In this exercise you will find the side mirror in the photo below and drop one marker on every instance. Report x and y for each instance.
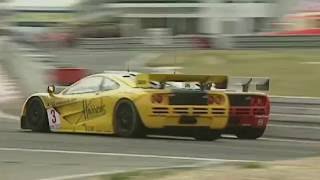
(51, 89)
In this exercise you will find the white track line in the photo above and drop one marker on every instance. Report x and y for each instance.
(121, 154)
(290, 140)
(76, 176)
(294, 126)
(297, 97)
(13, 117)
(9, 116)
(17, 118)
(277, 139)
(294, 115)
(86, 175)
(293, 108)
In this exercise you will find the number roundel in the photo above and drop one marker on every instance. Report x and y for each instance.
(53, 115)
(54, 119)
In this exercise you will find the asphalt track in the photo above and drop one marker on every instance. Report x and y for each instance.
(28, 155)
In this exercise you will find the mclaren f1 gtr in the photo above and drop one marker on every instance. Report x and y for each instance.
(131, 105)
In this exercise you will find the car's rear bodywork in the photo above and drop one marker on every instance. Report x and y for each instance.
(183, 108)
(249, 111)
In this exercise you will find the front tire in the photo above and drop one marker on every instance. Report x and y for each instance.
(127, 120)
(37, 115)
(250, 133)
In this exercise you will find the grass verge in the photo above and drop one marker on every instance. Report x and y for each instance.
(278, 170)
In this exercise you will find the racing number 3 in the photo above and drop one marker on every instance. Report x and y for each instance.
(53, 118)
(53, 115)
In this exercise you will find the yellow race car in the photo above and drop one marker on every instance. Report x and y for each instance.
(131, 105)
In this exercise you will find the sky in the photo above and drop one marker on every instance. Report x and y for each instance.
(43, 3)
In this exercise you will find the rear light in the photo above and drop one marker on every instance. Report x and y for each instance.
(216, 99)
(157, 98)
(210, 100)
(219, 99)
(258, 101)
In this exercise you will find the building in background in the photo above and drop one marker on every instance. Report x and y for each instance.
(134, 17)
(30, 23)
(27, 20)
(301, 19)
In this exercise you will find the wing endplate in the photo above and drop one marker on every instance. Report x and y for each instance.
(245, 84)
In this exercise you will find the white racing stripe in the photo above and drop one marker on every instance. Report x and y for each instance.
(121, 154)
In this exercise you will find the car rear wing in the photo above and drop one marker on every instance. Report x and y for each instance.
(145, 80)
(246, 84)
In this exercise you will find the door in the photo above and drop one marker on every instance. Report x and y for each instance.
(72, 104)
(98, 109)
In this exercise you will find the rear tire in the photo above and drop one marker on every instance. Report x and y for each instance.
(37, 115)
(250, 133)
(127, 120)
(206, 134)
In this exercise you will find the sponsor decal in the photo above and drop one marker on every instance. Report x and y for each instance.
(260, 122)
(90, 109)
(94, 108)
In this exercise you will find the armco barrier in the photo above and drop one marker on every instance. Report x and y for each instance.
(200, 42)
(263, 41)
(128, 43)
(294, 117)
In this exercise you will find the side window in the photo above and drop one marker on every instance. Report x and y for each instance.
(86, 85)
(108, 84)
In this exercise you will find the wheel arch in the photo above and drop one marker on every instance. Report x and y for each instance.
(115, 108)
(25, 105)
(23, 117)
